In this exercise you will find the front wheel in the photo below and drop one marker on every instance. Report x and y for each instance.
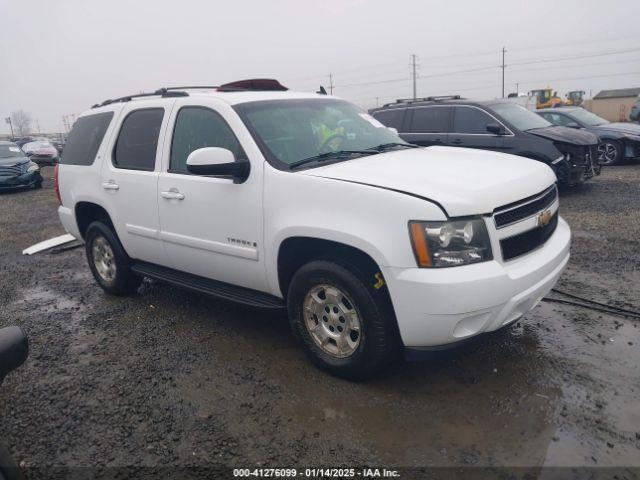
(610, 152)
(109, 263)
(344, 326)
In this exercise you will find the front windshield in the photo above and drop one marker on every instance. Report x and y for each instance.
(8, 151)
(520, 117)
(297, 129)
(587, 118)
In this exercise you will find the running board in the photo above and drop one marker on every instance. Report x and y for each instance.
(213, 288)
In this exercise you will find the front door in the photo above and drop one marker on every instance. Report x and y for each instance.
(470, 129)
(211, 227)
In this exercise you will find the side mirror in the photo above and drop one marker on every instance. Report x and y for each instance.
(496, 129)
(394, 130)
(218, 162)
(572, 125)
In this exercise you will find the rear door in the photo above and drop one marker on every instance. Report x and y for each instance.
(428, 125)
(470, 129)
(130, 179)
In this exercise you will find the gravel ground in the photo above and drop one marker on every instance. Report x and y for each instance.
(170, 378)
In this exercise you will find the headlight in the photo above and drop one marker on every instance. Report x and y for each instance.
(32, 167)
(451, 243)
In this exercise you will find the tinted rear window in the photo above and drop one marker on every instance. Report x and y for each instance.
(430, 120)
(85, 139)
(138, 140)
(391, 118)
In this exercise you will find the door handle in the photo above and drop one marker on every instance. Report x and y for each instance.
(457, 141)
(172, 194)
(110, 185)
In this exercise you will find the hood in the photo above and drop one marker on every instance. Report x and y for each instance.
(13, 161)
(565, 135)
(628, 128)
(463, 181)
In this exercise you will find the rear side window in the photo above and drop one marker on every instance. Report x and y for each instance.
(557, 119)
(85, 139)
(391, 118)
(430, 120)
(471, 120)
(138, 140)
(199, 127)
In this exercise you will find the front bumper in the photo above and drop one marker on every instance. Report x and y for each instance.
(436, 307)
(20, 181)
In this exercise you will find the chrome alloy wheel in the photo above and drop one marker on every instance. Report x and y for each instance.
(607, 153)
(332, 320)
(103, 259)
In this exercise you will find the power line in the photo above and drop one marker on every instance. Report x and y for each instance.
(577, 57)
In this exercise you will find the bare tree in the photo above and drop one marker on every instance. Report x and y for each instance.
(21, 122)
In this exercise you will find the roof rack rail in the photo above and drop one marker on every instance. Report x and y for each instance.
(163, 92)
(424, 99)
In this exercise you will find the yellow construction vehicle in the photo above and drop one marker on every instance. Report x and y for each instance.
(575, 98)
(547, 98)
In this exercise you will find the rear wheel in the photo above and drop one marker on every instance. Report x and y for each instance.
(610, 152)
(344, 326)
(109, 263)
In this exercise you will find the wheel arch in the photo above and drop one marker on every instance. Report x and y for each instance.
(87, 212)
(297, 250)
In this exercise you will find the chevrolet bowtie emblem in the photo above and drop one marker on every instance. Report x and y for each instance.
(544, 218)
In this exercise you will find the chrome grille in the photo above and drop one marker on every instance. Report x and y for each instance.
(10, 170)
(518, 211)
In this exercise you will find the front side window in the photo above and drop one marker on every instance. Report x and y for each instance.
(288, 131)
(471, 120)
(557, 119)
(199, 127)
(85, 139)
(430, 120)
(138, 140)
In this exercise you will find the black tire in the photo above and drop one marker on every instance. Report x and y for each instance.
(611, 146)
(124, 281)
(379, 340)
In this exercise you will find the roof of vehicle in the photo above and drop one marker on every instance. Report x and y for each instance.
(445, 100)
(233, 93)
(618, 93)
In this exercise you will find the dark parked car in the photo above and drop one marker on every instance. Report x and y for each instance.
(497, 125)
(16, 169)
(42, 152)
(618, 141)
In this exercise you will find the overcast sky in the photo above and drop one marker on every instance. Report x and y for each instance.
(60, 57)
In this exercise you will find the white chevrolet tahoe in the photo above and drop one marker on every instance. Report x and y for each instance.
(252, 193)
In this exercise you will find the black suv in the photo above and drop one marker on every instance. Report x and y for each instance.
(497, 125)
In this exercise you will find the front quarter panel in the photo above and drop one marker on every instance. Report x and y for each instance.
(372, 219)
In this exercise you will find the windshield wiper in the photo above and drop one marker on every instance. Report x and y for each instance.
(386, 146)
(332, 155)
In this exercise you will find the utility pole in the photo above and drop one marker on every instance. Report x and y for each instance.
(330, 83)
(377, 102)
(517, 88)
(413, 74)
(504, 50)
(8, 120)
